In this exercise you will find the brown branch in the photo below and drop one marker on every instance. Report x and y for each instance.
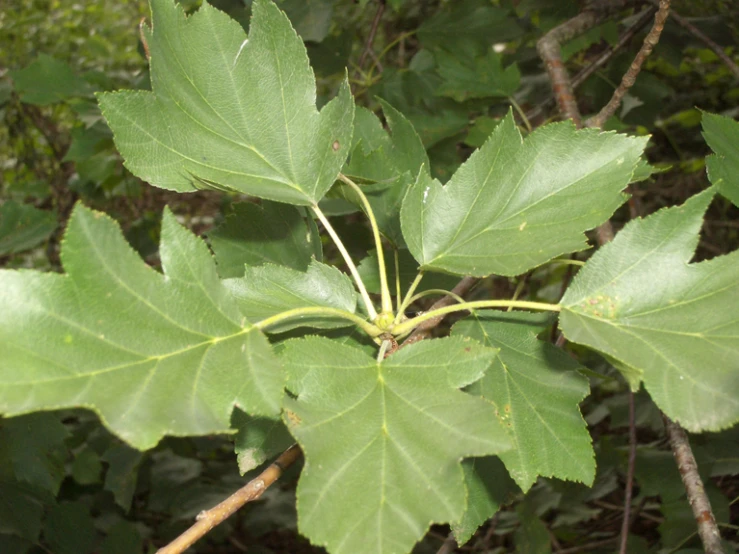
(626, 523)
(629, 77)
(551, 53)
(707, 528)
(372, 33)
(207, 520)
(697, 33)
(424, 329)
(602, 59)
(623, 40)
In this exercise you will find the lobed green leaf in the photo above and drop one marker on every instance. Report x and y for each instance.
(383, 441)
(256, 234)
(639, 301)
(151, 354)
(23, 227)
(230, 112)
(722, 135)
(536, 389)
(389, 161)
(268, 290)
(515, 204)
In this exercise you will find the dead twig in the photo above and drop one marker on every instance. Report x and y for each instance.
(629, 77)
(707, 528)
(598, 62)
(551, 53)
(697, 33)
(371, 37)
(207, 520)
(626, 523)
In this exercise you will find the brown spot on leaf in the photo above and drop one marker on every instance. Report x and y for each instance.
(336, 146)
(292, 418)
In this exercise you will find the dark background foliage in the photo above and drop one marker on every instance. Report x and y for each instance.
(453, 68)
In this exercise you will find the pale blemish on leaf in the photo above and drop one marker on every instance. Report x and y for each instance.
(249, 459)
(239, 52)
(601, 306)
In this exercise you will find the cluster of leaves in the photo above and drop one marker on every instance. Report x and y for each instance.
(270, 339)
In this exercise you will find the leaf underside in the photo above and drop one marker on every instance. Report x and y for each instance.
(397, 429)
(536, 389)
(151, 354)
(257, 234)
(228, 112)
(639, 301)
(268, 290)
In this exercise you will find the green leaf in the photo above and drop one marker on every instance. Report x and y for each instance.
(516, 204)
(413, 92)
(151, 354)
(488, 487)
(21, 509)
(122, 538)
(532, 536)
(256, 234)
(383, 441)
(370, 273)
(258, 439)
(11, 544)
(330, 57)
(536, 389)
(122, 474)
(722, 135)
(311, 18)
(229, 112)
(392, 160)
(481, 77)
(22, 227)
(88, 141)
(679, 525)
(87, 467)
(267, 290)
(48, 81)
(658, 475)
(69, 528)
(468, 27)
(481, 130)
(33, 447)
(638, 300)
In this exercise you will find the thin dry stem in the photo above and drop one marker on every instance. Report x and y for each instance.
(629, 77)
(207, 520)
(373, 32)
(551, 53)
(697, 33)
(707, 528)
(626, 523)
(599, 62)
